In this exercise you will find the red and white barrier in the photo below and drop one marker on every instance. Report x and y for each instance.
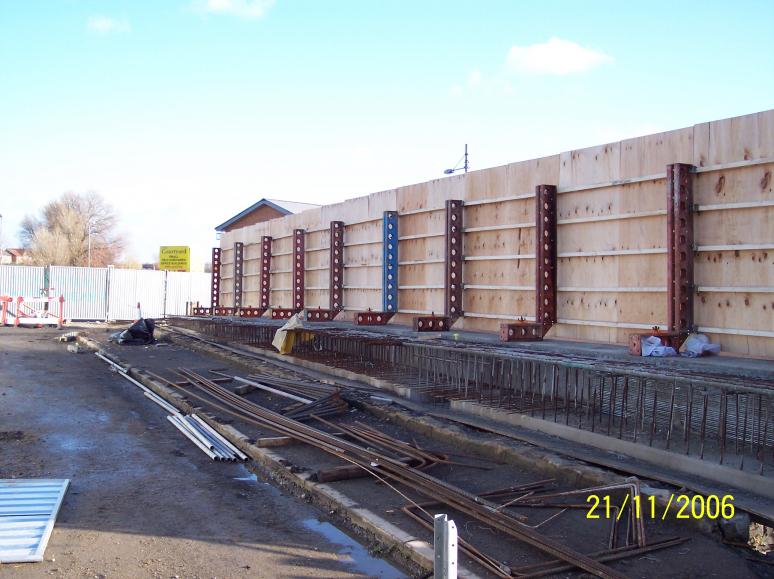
(40, 311)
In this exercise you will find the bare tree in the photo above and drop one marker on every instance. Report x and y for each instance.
(72, 229)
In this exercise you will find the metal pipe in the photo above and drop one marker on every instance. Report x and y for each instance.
(189, 436)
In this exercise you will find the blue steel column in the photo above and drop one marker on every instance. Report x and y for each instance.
(390, 262)
(389, 275)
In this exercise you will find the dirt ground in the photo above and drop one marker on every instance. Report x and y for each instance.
(143, 501)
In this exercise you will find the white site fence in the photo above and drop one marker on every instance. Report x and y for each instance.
(107, 293)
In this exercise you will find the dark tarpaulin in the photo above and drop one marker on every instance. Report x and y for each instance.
(140, 332)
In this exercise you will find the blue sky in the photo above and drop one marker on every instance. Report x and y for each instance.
(183, 112)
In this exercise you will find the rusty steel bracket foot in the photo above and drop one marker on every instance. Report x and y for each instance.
(250, 312)
(321, 315)
(283, 313)
(370, 318)
(521, 332)
(432, 323)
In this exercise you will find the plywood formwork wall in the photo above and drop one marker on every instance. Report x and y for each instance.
(611, 239)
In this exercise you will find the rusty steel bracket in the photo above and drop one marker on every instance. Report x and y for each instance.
(265, 271)
(198, 311)
(299, 259)
(223, 311)
(250, 312)
(239, 262)
(454, 258)
(370, 318)
(545, 272)
(453, 274)
(521, 331)
(680, 284)
(389, 275)
(432, 324)
(335, 278)
(215, 278)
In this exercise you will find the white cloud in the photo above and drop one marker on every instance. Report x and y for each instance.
(242, 8)
(557, 56)
(106, 25)
(474, 78)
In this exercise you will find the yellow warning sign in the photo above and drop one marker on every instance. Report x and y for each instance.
(175, 257)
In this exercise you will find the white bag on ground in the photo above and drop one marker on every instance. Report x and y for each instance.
(652, 346)
(698, 345)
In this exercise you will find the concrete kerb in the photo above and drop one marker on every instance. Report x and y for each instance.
(405, 549)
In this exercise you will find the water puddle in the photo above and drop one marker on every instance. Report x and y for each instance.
(352, 552)
(349, 550)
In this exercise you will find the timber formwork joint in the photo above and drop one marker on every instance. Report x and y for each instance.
(545, 272)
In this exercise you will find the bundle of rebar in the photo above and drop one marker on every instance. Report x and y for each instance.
(386, 467)
(311, 399)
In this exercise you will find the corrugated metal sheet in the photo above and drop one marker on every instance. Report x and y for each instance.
(185, 287)
(21, 280)
(98, 293)
(130, 286)
(84, 290)
(28, 510)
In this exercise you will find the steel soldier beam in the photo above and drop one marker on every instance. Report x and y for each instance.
(299, 259)
(265, 289)
(335, 277)
(389, 275)
(453, 274)
(239, 256)
(214, 286)
(545, 272)
(680, 285)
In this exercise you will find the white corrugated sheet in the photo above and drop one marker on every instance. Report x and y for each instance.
(21, 280)
(100, 293)
(185, 287)
(128, 287)
(84, 290)
(28, 510)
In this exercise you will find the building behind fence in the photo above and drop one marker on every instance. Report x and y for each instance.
(107, 293)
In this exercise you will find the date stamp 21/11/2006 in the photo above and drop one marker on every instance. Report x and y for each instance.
(683, 506)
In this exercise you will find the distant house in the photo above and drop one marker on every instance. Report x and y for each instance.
(13, 255)
(263, 210)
